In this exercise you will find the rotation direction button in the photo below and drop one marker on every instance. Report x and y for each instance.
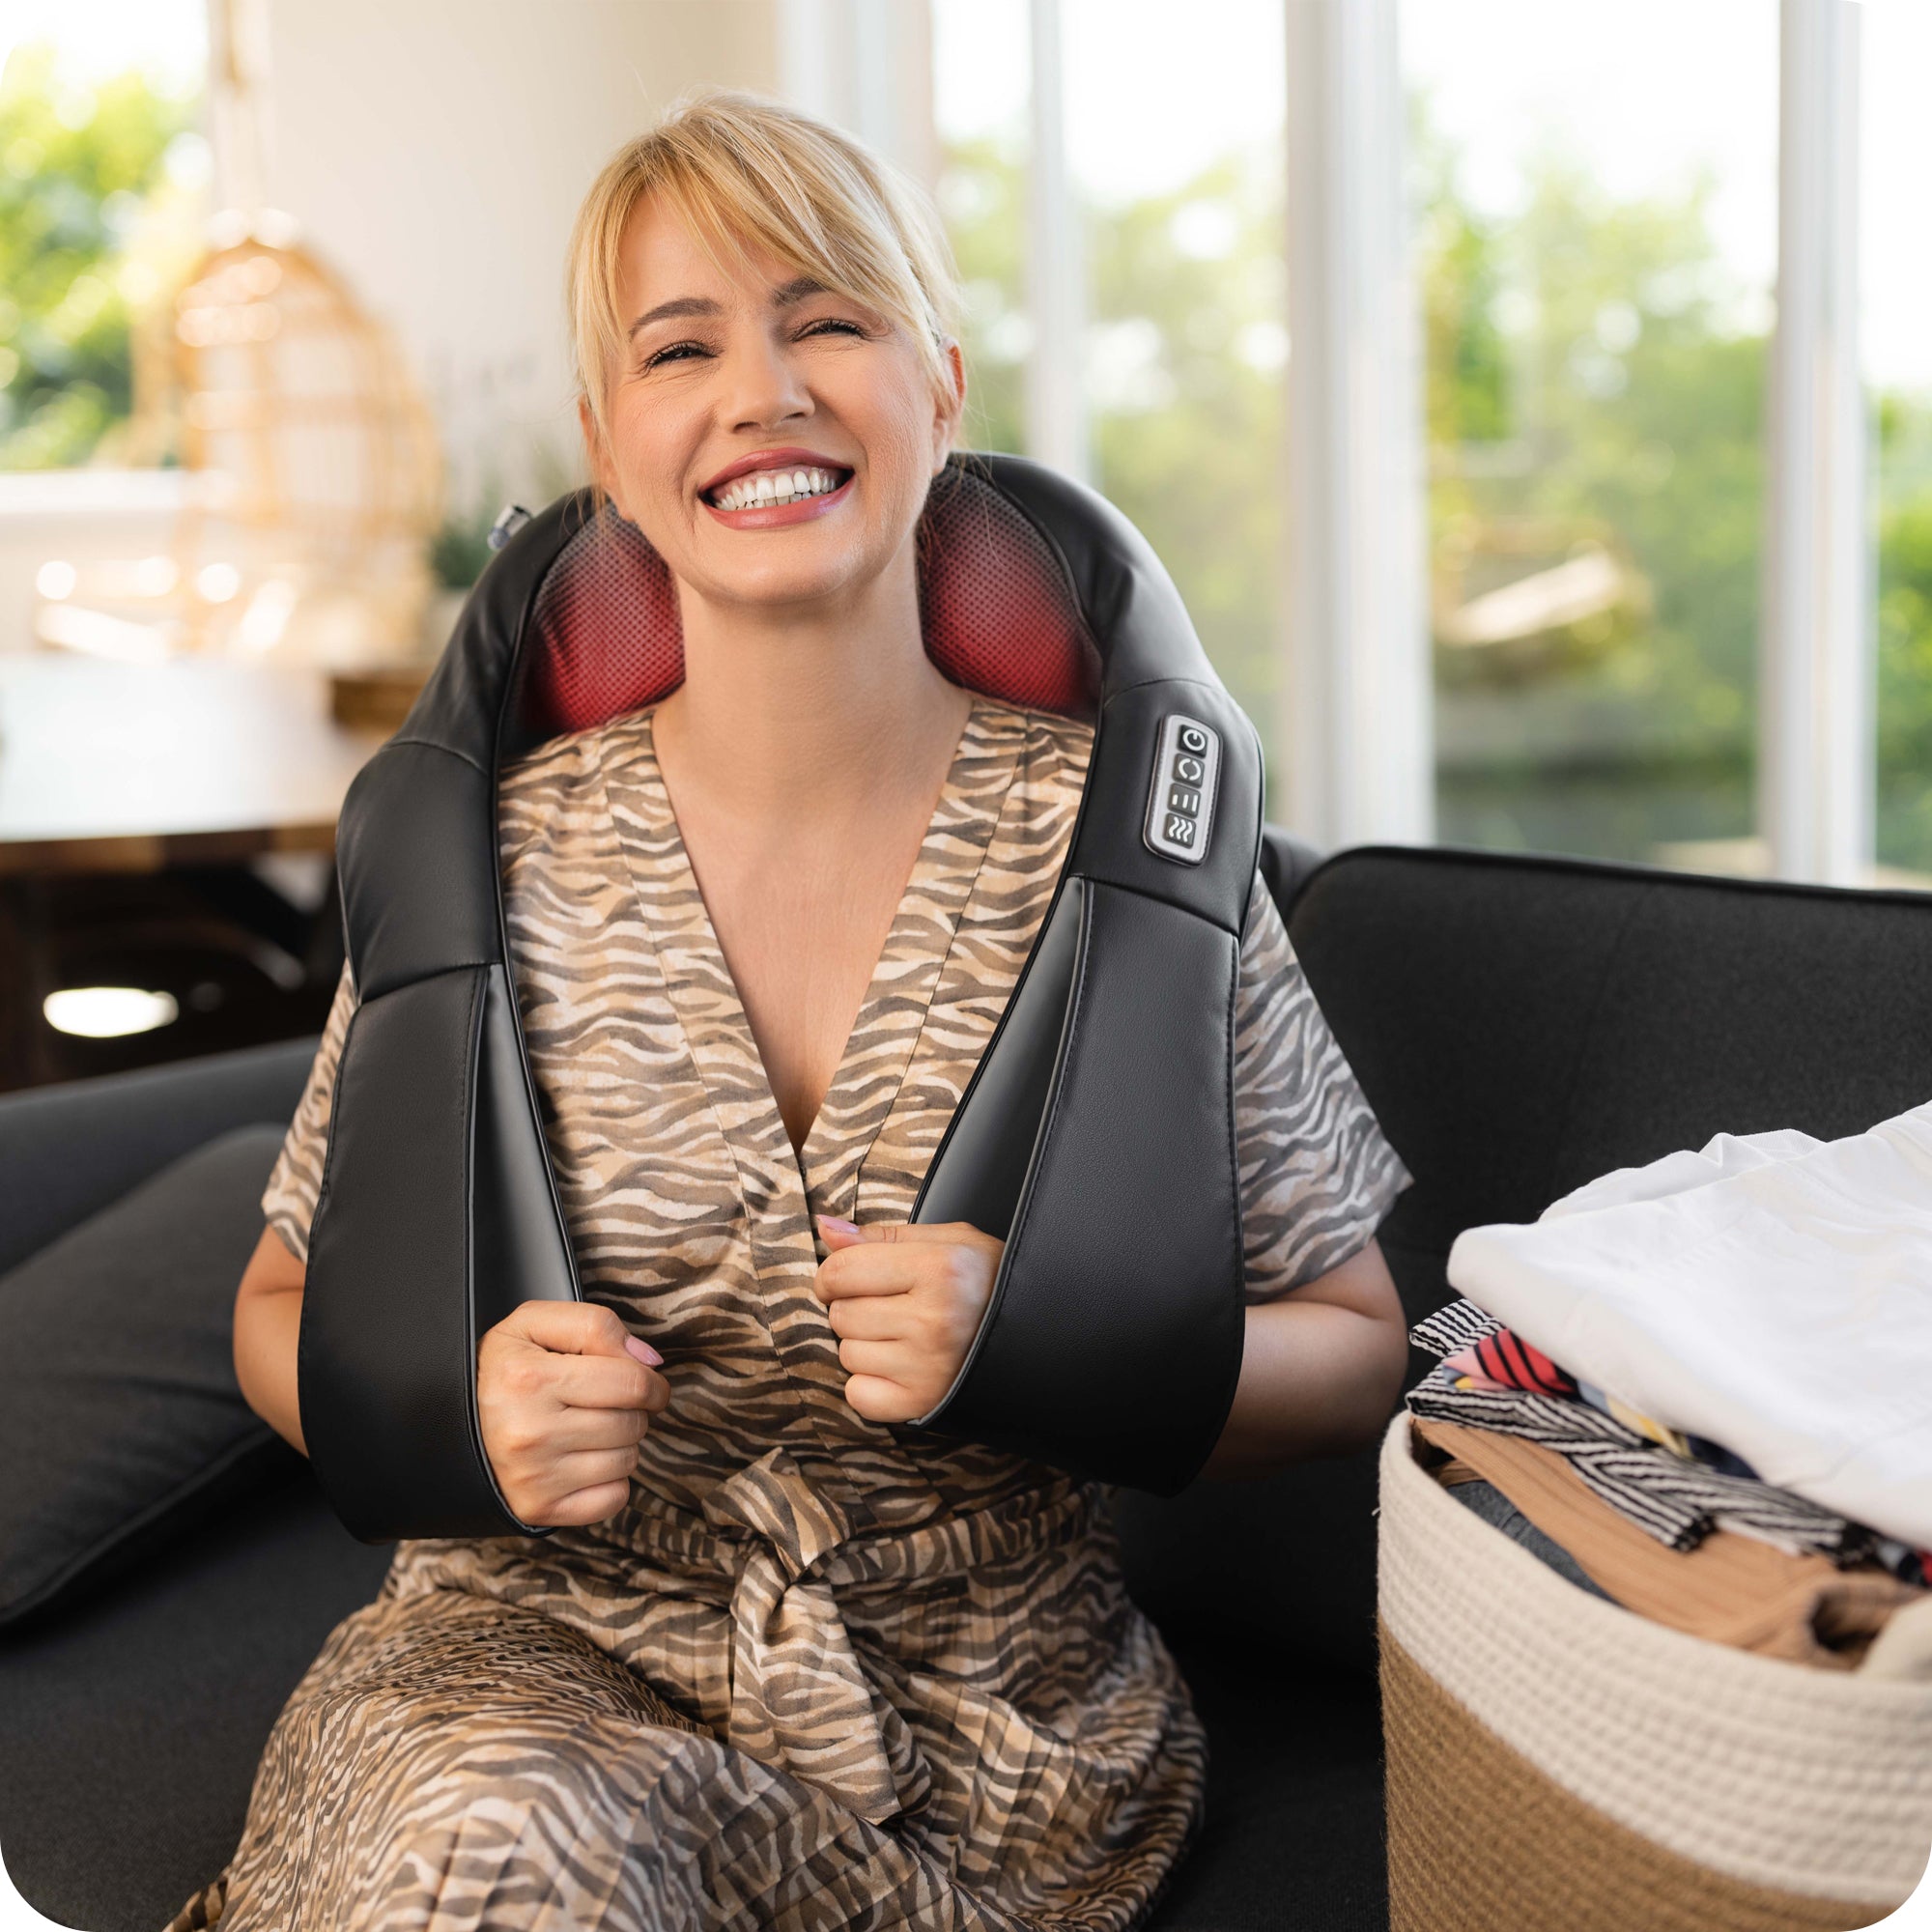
(1181, 793)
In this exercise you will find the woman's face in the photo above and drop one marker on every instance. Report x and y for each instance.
(772, 439)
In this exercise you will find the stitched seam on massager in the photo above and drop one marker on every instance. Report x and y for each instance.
(479, 988)
(511, 688)
(1687, 1743)
(432, 745)
(1074, 1001)
(1233, 1376)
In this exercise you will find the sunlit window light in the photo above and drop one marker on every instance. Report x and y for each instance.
(107, 1012)
(217, 583)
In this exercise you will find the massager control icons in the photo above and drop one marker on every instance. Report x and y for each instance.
(1180, 805)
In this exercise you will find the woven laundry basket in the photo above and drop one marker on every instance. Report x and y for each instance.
(1556, 1763)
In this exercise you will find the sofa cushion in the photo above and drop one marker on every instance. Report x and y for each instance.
(130, 1726)
(121, 1422)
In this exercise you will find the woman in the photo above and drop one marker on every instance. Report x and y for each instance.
(784, 1663)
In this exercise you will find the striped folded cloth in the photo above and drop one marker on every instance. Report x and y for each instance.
(1676, 1487)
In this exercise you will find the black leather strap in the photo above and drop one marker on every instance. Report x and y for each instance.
(1098, 1135)
(1096, 1138)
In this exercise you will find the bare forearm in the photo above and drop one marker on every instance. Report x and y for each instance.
(1321, 1371)
(267, 1326)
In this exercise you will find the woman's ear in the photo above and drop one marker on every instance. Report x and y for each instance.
(952, 407)
(597, 453)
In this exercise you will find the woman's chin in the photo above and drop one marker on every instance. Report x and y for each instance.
(790, 584)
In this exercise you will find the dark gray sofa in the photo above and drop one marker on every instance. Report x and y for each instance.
(1519, 1024)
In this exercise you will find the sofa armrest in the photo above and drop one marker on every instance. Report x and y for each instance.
(68, 1151)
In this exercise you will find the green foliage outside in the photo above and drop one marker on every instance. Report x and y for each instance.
(1184, 298)
(1905, 633)
(1594, 383)
(78, 173)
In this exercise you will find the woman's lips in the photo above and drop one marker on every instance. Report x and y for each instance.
(775, 516)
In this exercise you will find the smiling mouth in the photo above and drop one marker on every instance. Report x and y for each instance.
(763, 489)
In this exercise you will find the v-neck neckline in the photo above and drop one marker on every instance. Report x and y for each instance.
(879, 1044)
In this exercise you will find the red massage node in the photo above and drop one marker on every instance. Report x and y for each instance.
(998, 613)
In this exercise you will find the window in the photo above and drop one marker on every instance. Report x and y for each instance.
(1173, 144)
(103, 197)
(1597, 231)
(1898, 355)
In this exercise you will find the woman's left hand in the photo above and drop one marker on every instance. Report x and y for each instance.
(905, 1302)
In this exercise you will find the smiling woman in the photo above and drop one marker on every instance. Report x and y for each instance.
(784, 1660)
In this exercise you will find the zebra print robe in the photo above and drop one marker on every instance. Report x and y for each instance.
(818, 1672)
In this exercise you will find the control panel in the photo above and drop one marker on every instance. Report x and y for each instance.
(1181, 802)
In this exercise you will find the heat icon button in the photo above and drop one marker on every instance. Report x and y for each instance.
(1180, 801)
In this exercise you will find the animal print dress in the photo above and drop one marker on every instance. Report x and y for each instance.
(819, 1672)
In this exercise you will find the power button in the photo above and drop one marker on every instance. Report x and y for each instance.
(1180, 801)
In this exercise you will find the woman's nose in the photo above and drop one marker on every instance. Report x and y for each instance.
(763, 387)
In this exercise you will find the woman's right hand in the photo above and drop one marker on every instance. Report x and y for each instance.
(564, 1395)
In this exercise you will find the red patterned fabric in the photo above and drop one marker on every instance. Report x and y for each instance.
(998, 613)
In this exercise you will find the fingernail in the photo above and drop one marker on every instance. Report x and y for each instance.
(833, 1225)
(643, 1352)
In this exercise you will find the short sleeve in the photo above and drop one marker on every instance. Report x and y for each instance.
(289, 1204)
(1317, 1173)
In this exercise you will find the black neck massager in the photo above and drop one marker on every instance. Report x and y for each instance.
(1096, 1138)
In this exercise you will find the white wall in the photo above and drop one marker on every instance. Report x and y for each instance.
(434, 154)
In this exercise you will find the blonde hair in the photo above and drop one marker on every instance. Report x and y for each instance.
(742, 171)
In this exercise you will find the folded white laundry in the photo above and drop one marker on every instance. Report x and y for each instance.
(1772, 1291)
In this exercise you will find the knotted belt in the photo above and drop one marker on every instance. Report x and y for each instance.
(785, 1562)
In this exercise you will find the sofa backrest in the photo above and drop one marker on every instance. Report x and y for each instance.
(1522, 1024)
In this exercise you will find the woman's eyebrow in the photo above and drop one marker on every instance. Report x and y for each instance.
(796, 289)
(683, 306)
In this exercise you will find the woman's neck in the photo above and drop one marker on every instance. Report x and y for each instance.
(809, 715)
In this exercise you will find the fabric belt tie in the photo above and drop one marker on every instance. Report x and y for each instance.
(800, 1698)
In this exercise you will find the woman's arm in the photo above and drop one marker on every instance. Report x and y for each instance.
(267, 1322)
(1320, 1373)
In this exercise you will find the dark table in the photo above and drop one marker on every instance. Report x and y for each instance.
(122, 768)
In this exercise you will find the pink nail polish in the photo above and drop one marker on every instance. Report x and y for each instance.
(643, 1352)
(833, 1224)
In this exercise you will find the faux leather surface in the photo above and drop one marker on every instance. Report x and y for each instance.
(1114, 1338)
(417, 854)
(388, 1344)
(397, 1298)
(980, 1169)
(519, 1252)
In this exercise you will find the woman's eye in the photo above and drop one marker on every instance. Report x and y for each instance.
(676, 352)
(831, 325)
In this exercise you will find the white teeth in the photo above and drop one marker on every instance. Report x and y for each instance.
(773, 486)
